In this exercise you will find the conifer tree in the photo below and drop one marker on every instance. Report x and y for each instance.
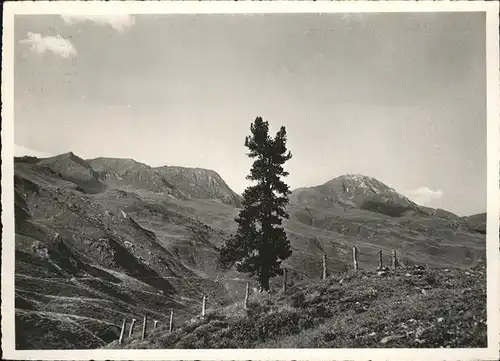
(260, 243)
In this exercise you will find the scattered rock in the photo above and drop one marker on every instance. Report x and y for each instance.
(407, 275)
(381, 273)
(421, 331)
(40, 250)
(390, 338)
(373, 334)
(440, 319)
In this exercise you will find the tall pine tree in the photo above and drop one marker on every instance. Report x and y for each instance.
(260, 244)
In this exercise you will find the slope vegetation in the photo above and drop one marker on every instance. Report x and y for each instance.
(82, 257)
(409, 307)
(101, 240)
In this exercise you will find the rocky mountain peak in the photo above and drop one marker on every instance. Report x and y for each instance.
(200, 183)
(356, 191)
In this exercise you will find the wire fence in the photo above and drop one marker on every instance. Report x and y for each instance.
(217, 304)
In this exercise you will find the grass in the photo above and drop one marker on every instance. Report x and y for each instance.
(61, 331)
(73, 246)
(411, 307)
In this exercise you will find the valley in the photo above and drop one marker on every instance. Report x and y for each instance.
(105, 239)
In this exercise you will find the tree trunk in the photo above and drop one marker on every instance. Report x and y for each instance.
(264, 284)
(264, 281)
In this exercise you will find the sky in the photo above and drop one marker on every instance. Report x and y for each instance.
(400, 97)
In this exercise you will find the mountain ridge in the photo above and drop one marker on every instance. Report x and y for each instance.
(82, 233)
(169, 179)
(356, 191)
(97, 174)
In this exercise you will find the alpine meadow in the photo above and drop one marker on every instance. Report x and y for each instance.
(250, 181)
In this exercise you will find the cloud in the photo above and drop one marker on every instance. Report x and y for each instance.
(424, 195)
(118, 22)
(56, 44)
(20, 151)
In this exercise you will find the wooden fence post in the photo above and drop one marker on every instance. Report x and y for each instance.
(247, 291)
(394, 259)
(285, 276)
(144, 323)
(131, 328)
(355, 257)
(203, 307)
(155, 324)
(380, 262)
(324, 267)
(120, 340)
(171, 324)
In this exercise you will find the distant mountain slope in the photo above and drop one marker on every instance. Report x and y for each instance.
(441, 213)
(131, 175)
(106, 239)
(356, 191)
(200, 183)
(85, 259)
(76, 170)
(180, 182)
(477, 222)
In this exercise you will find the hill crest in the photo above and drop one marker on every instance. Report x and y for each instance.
(141, 252)
(200, 183)
(356, 191)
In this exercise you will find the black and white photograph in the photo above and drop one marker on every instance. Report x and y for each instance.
(313, 180)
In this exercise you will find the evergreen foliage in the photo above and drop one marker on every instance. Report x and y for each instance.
(260, 244)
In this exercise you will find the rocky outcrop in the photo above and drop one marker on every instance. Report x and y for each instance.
(200, 183)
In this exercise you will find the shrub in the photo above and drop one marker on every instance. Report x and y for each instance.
(297, 300)
(431, 278)
(256, 309)
(278, 324)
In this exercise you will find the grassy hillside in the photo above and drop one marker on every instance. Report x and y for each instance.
(409, 307)
(477, 222)
(93, 247)
(82, 255)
